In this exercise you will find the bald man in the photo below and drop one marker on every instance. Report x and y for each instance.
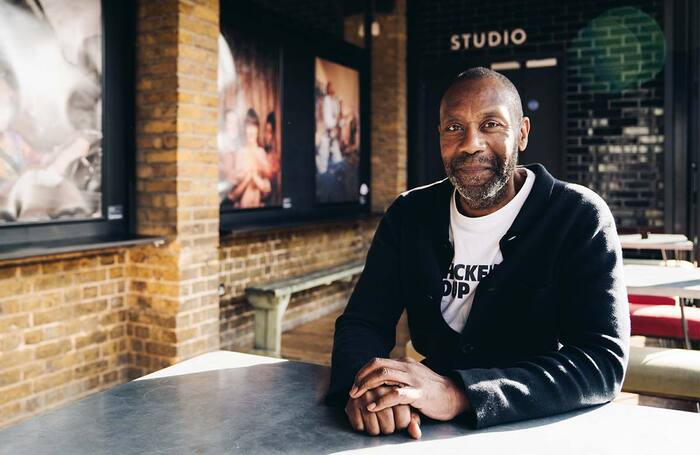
(511, 279)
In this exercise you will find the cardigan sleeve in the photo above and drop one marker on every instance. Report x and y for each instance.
(589, 367)
(367, 327)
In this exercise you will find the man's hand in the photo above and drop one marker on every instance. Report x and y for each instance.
(385, 421)
(436, 396)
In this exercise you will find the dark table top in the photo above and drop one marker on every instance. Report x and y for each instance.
(277, 408)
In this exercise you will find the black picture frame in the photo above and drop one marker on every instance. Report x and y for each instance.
(118, 145)
(225, 207)
(299, 48)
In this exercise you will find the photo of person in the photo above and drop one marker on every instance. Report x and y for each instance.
(337, 132)
(50, 129)
(250, 174)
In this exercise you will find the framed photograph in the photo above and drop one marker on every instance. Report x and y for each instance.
(312, 162)
(51, 58)
(337, 132)
(250, 123)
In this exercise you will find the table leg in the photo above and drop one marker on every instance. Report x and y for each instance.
(664, 256)
(684, 324)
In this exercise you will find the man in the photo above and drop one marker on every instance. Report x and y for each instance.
(273, 156)
(330, 146)
(512, 282)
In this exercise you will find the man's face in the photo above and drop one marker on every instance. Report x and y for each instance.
(479, 140)
(268, 134)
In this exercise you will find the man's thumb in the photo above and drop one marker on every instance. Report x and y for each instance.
(414, 426)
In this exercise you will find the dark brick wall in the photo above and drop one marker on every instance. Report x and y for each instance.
(614, 95)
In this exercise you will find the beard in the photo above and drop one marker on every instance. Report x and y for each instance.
(480, 196)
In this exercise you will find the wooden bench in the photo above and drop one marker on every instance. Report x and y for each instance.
(270, 301)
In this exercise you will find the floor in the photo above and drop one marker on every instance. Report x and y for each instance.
(313, 342)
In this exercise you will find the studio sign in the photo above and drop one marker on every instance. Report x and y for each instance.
(493, 38)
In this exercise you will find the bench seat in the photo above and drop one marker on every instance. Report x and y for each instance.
(664, 321)
(269, 301)
(652, 299)
(673, 373)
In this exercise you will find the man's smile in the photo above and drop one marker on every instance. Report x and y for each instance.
(475, 169)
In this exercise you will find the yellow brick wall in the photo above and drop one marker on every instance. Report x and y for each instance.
(173, 300)
(389, 146)
(74, 324)
(277, 254)
(62, 330)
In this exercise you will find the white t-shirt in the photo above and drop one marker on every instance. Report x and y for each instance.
(477, 252)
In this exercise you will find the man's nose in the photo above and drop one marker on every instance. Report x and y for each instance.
(472, 142)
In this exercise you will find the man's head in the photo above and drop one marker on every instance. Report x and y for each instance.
(482, 129)
(270, 127)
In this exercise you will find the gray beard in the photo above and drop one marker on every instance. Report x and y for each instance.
(492, 192)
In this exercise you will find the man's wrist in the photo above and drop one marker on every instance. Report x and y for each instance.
(459, 398)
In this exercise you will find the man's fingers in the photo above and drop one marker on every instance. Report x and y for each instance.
(399, 395)
(386, 421)
(369, 367)
(371, 423)
(354, 415)
(402, 416)
(382, 375)
(414, 426)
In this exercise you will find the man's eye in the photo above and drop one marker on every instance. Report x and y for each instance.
(491, 124)
(453, 127)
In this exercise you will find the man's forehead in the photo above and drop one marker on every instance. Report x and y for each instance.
(476, 96)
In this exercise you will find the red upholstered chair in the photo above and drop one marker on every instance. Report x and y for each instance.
(651, 300)
(664, 321)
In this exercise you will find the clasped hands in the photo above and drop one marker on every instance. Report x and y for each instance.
(390, 395)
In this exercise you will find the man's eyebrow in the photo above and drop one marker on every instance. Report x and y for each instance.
(450, 116)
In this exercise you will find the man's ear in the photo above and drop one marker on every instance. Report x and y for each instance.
(523, 134)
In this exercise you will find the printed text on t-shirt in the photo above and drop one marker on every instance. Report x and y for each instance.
(458, 274)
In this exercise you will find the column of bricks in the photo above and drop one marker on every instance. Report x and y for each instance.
(173, 289)
(389, 107)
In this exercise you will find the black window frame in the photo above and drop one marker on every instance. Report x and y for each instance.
(299, 47)
(118, 145)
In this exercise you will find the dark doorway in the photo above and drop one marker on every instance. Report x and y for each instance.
(539, 82)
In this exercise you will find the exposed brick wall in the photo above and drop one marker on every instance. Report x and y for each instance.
(62, 330)
(614, 134)
(173, 301)
(74, 324)
(251, 258)
(389, 149)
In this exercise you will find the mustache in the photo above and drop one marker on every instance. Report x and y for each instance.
(471, 160)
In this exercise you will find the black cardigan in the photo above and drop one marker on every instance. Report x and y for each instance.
(548, 331)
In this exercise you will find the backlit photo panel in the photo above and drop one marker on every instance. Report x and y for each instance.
(50, 110)
(337, 138)
(249, 138)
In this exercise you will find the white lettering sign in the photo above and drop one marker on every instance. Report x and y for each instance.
(493, 38)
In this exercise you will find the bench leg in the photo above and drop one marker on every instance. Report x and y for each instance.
(268, 327)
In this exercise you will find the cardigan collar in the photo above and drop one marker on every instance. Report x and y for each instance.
(531, 211)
